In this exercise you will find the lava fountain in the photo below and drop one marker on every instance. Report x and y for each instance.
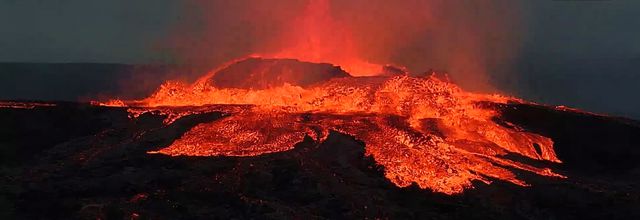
(422, 130)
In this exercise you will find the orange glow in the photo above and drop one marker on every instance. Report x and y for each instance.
(475, 42)
(315, 36)
(110, 103)
(422, 130)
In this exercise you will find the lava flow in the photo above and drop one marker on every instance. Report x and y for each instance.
(422, 130)
(24, 105)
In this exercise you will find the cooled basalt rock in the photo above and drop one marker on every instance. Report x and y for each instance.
(97, 167)
(260, 73)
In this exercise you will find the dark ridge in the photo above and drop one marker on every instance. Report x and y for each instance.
(260, 73)
(85, 81)
(584, 142)
(25, 133)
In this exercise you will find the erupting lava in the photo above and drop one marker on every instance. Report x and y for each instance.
(423, 130)
(311, 41)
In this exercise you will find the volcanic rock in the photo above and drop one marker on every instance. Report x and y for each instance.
(261, 73)
(89, 162)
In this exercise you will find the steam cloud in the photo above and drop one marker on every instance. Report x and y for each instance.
(473, 42)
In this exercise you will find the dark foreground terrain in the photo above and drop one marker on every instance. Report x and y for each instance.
(80, 161)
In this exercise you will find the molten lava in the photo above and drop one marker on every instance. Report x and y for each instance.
(423, 130)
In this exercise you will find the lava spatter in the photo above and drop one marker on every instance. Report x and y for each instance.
(421, 129)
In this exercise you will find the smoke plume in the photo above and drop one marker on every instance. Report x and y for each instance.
(474, 42)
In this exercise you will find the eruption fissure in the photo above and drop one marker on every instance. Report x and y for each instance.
(423, 130)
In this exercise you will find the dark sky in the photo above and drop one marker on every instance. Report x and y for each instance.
(584, 29)
(579, 53)
(121, 31)
(584, 54)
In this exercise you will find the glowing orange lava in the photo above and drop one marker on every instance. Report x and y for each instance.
(423, 130)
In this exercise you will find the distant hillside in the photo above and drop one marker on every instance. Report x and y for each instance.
(83, 81)
(601, 85)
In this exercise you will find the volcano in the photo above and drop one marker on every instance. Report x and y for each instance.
(283, 138)
(258, 73)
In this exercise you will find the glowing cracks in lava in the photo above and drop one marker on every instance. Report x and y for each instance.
(422, 130)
